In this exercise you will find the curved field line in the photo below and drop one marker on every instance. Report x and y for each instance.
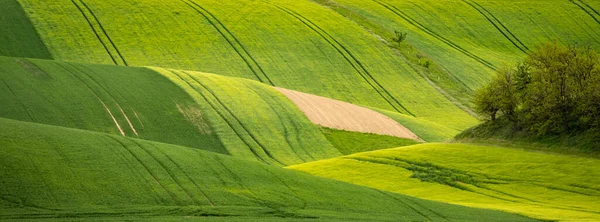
(228, 121)
(147, 169)
(186, 174)
(105, 33)
(232, 40)
(18, 100)
(285, 131)
(423, 28)
(83, 71)
(213, 106)
(162, 165)
(349, 57)
(491, 18)
(265, 150)
(582, 5)
(95, 94)
(119, 153)
(95, 32)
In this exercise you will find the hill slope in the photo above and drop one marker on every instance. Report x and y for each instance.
(468, 39)
(298, 45)
(225, 115)
(55, 172)
(545, 186)
(18, 37)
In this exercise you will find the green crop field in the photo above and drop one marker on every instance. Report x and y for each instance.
(468, 39)
(169, 110)
(102, 175)
(193, 109)
(540, 185)
(292, 44)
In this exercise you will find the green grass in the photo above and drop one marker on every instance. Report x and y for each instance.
(18, 37)
(539, 185)
(226, 115)
(51, 172)
(292, 44)
(254, 120)
(354, 142)
(467, 39)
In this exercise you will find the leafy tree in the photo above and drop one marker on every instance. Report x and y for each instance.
(555, 90)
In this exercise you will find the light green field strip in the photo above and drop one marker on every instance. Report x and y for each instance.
(545, 186)
(51, 172)
(253, 120)
(298, 45)
(18, 37)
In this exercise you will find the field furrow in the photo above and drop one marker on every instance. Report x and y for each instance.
(222, 106)
(587, 9)
(233, 42)
(110, 47)
(351, 59)
(227, 118)
(500, 27)
(423, 28)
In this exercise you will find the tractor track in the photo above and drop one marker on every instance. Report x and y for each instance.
(233, 41)
(98, 34)
(350, 58)
(453, 45)
(499, 26)
(587, 9)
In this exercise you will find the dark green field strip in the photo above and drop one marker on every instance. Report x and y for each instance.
(229, 117)
(498, 25)
(351, 59)
(100, 32)
(423, 28)
(12, 92)
(587, 9)
(103, 96)
(233, 42)
(89, 74)
(18, 36)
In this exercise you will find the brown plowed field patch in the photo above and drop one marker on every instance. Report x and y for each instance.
(345, 116)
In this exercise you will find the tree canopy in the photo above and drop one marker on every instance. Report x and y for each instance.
(555, 90)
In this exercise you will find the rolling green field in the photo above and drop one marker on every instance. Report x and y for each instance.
(166, 110)
(291, 44)
(184, 108)
(468, 39)
(51, 172)
(539, 185)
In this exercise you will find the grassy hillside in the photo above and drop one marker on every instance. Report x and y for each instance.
(468, 39)
(54, 172)
(540, 185)
(292, 44)
(254, 120)
(220, 114)
(18, 37)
